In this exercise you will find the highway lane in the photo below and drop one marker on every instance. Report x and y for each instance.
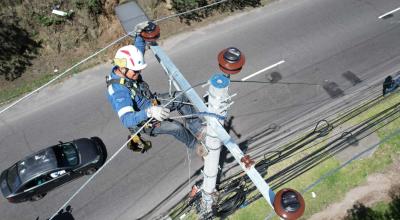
(319, 40)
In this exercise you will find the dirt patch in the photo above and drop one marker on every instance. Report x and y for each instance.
(376, 189)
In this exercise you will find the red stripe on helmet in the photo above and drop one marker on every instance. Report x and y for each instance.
(129, 54)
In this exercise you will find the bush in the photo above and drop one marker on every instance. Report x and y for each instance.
(239, 4)
(185, 5)
(231, 5)
(49, 20)
(94, 7)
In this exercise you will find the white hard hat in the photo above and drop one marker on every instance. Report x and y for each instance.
(130, 57)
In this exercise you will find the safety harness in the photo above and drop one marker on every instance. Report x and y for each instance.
(140, 87)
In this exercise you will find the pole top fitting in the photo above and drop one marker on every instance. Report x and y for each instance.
(231, 60)
(151, 32)
(289, 204)
(219, 81)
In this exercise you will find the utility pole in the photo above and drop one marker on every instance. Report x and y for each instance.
(218, 99)
(218, 103)
(287, 203)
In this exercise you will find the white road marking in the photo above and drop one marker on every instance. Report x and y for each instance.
(388, 13)
(263, 70)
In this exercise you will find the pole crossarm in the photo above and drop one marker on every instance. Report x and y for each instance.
(179, 80)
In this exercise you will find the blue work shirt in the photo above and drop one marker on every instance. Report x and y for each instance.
(130, 107)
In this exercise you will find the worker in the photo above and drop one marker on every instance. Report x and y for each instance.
(390, 84)
(133, 101)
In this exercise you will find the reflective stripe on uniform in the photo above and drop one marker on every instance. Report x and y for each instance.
(110, 90)
(125, 110)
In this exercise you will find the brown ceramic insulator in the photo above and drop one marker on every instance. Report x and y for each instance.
(151, 35)
(248, 162)
(230, 66)
(295, 212)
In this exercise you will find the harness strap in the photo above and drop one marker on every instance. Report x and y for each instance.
(122, 81)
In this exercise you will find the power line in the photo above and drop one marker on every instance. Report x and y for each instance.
(285, 83)
(63, 73)
(335, 170)
(332, 171)
(101, 50)
(261, 164)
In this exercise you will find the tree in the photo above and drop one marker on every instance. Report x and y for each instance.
(17, 48)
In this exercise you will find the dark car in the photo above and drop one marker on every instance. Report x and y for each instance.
(35, 175)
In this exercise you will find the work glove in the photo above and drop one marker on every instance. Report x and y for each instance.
(158, 112)
(139, 27)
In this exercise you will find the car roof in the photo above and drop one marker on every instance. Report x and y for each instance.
(37, 164)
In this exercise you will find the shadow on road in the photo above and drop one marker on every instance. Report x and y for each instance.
(63, 215)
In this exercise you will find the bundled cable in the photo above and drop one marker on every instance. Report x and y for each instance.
(231, 199)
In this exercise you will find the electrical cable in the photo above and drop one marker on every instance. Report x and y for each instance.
(209, 114)
(334, 122)
(369, 120)
(320, 132)
(117, 152)
(349, 113)
(99, 51)
(284, 83)
(327, 116)
(332, 171)
(324, 153)
(234, 197)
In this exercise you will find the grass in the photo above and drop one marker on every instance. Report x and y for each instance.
(335, 187)
(12, 92)
(380, 207)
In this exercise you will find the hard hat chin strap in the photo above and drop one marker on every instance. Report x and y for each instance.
(124, 71)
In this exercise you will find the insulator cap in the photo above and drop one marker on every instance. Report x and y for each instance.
(151, 33)
(289, 204)
(231, 60)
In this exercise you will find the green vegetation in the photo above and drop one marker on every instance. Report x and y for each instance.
(334, 187)
(380, 211)
(14, 92)
(186, 5)
(93, 6)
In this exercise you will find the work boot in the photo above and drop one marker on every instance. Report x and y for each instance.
(137, 144)
(146, 145)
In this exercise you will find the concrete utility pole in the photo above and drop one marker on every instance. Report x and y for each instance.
(218, 99)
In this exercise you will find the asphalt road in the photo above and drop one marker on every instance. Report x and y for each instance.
(319, 40)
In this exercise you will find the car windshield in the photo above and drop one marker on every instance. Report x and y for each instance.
(66, 155)
(34, 165)
(12, 178)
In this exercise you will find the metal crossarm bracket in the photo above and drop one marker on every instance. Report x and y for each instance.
(182, 84)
